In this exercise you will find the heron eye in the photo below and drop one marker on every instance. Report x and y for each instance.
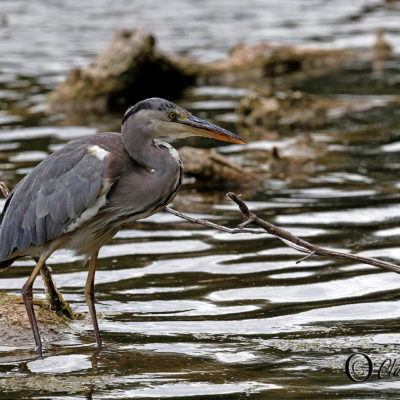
(172, 115)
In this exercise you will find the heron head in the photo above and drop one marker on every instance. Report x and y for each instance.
(162, 118)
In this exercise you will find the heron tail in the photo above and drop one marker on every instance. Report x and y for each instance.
(6, 263)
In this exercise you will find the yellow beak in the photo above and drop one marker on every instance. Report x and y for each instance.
(201, 127)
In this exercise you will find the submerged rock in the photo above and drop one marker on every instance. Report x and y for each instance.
(128, 69)
(210, 166)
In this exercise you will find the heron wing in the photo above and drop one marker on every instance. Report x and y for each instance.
(54, 197)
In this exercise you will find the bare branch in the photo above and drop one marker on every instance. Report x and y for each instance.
(212, 224)
(288, 238)
(319, 251)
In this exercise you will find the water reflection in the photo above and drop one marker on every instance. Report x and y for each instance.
(60, 364)
(321, 291)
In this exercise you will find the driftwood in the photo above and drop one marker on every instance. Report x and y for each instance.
(210, 166)
(130, 68)
(288, 238)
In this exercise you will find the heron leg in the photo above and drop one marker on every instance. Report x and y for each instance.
(51, 291)
(89, 294)
(53, 296)
(27, 296)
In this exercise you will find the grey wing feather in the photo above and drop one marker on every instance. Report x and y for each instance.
(52, 197)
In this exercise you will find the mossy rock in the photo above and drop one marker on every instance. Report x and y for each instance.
(14, 323)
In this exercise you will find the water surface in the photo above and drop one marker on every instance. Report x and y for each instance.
(187, 312)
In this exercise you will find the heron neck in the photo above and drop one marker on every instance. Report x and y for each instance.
(141, 148)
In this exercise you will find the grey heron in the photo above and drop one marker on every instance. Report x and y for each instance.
(82, 194)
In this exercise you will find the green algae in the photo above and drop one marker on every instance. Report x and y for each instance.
(53, 384)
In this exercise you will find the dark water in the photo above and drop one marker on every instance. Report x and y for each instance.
(187, 312)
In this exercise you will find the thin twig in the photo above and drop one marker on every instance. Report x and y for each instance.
(305, 257)
(4, 189)
(212, 225)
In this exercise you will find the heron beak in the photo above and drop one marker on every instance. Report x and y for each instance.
(200, 127)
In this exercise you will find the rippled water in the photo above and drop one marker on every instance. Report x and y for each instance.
(186, 311)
